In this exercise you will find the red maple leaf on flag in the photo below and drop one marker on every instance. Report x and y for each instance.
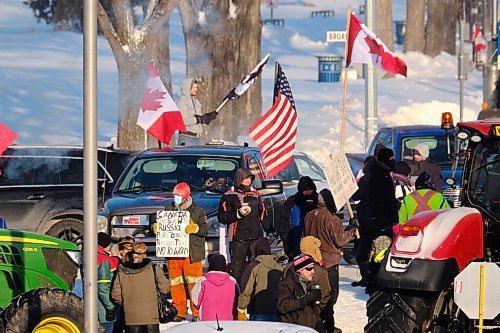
(151, 98)
(374, 47)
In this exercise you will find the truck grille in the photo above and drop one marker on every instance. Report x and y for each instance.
(453, 196)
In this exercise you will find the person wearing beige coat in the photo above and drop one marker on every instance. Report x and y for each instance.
(135, 289)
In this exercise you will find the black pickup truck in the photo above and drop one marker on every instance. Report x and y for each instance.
(146, 185)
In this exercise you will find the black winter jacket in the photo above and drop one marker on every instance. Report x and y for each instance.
(248, 227)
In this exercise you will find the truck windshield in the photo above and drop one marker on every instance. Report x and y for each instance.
(201, 173)
(484, 188)
(437, 148)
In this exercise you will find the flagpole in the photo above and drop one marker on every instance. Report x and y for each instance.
(222, 104)
(275, 80)
(345, 78)
(348, 204)
(145, 140)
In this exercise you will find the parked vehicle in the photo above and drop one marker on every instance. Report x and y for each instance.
(417, 275)
(402, 140)
(301, 165)
(146, 185)
(41, 187)
(37, 274)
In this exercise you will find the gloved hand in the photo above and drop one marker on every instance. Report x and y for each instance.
(192, 228)
(350, 228)
(209, 117)
(313, 296)
(354, 222)
(242, 315)
(199, 119)
(110, 315)
(243, 211)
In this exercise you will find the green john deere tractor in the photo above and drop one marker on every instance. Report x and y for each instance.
(37, 274)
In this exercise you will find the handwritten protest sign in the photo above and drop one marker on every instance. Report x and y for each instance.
(340, 178)
(171, 239)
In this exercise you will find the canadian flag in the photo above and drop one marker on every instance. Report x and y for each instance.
(7, 136)
(159, 115)
(365, 47)
(478, 38)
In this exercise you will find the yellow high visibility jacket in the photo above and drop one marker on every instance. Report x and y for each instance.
(421, 201)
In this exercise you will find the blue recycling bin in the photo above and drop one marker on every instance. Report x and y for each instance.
(400, 32)
(329, 68)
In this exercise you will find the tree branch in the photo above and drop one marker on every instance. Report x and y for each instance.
(124, 17)
(108, 30)
(159, 16)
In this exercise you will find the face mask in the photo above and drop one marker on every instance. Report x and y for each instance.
(391, 164)
(178, 200)
(245, 188)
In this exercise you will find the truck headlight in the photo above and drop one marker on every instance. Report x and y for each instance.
(102, 224)
(213, 226)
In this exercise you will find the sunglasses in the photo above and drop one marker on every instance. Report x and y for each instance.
(309, 268)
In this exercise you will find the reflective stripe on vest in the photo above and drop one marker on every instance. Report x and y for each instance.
(422, 201)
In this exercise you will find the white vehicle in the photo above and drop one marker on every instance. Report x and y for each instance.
(239, 327)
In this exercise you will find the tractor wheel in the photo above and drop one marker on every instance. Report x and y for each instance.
(44, 310)
(399, 311)
(68, 229)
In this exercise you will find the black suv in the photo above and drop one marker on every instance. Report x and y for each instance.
(41, 187)
(146, 185)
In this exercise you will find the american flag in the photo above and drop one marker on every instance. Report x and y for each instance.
(276, 132)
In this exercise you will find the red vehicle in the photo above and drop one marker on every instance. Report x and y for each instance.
(417, 274)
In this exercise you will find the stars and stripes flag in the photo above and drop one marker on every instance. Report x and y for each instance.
(159, 115)
(248, 80)
(276, 132)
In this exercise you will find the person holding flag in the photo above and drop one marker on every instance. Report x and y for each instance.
(192, 114)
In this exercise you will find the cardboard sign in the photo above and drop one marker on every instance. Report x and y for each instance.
(340, 179)
(171, 238)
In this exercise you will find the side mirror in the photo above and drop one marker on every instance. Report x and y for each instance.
(270, 187)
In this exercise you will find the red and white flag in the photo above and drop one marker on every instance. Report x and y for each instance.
(159, 115)
(365, 47)
(478, 38)
(276, 132)
(7, 136)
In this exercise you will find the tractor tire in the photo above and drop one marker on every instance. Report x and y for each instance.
(68, 229)
(399, 311)
(40, 310)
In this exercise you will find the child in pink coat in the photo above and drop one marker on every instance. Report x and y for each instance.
(216, 294)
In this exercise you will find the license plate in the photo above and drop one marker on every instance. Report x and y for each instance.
(496, 129)
(132, 220)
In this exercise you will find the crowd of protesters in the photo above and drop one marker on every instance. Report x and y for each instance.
(254, 286)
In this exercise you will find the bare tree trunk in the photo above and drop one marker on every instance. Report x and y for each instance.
(384, 23)
(452, 11)
(436, 23)
(221, 53)
(415, 26)
(133, 48)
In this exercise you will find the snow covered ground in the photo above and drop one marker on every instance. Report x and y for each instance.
(41, 90)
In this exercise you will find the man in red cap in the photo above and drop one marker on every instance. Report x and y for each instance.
(187, 271)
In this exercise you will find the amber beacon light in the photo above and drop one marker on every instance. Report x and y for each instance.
(447, 121)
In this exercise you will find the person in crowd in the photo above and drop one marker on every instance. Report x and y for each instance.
(377, 209)
(298, 298)
(424, 198)
(185, 272)
(135, 289)
(324, 224)
(262, 246)
(294, 211)
(368, 160)
(401, 178)
(422, 162)
(379, 247)
(124, 247)
(310, 245)
(191, 110)
(259, 296)
(242, 209)
(217, 292)
(106, 267)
